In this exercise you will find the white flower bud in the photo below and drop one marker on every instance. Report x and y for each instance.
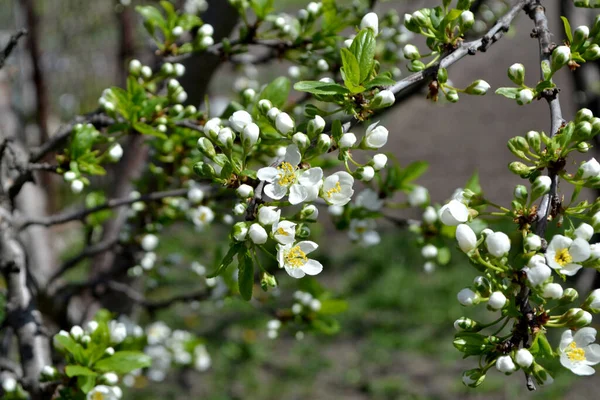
(301, 140)
(212, 128)
(116, 152)
(177, 31)
(376, 136)
(379, 161)
(316, 125)
(181, 97)
(146, 72)
(430, 216)
(324, 142)
(179, 69)
(467, 19)
(206, 30)
(91, 327)
(110, 378)
(411, 52)
(347, 140)
(498, 244)
(593, 301)
(240, 231)
(9, 384)
(77, 186)
(560, 56)
(454, 213)
(167, 68)
(310, 212)
(348, 42)
(516, 73)
(479, 87)
(135, 67)
(497, 301)
(225, 138)
(370, 21)
(283, 123)
(467, 297)
(245, 191)
(366, 173)
(258, 234)
(268, 215)
(239, 208)
(322, 65)
(384, 98)
(418, 196)
(109, 351)
(70, 176)
(294, 71)
(195, 195)
(149, 242)
(525, 96)
(49, 371)
(541, 186)
(206, 41)
(524, 358)
(173, 84)
(313, 8)
(581, 34)
(239, 120)
(584, 231)
(505, 365)
(589, 169)
(465, 236)
(552, 291)
(533, 242)
(429, 251)
(77, 332)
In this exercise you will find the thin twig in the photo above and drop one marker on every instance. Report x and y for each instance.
(153, 305)
(12, 42)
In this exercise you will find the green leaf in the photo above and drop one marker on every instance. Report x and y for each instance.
(71, 347)
(232, 107)
(336, 130)
(508, 92)
(82, 141)
(413, 171)
(451, 16)
(473, 183)
(317, 87)
(78, 370)
(332, 306)
(568, 31)
(188, 22)
(277, 91)
(123, 362)
(328, 326)
(245, 274)
(233, 250)
(86, 383)
(170, 10)
(444, 256)
(380, 80)
(262, 7)
(541, 347)
(152, 16)
(249, 173)
(350, 68)
(145, 129)
(363, 48)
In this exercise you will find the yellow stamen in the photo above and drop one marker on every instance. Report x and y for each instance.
(360, 229)
(287, 174)
(295, 257)
(563, 257)
(280, 231)
(575, 353)
(98, 396)
(336, 189)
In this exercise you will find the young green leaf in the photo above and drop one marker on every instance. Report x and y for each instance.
(233, 250)
(363, 48)
(317, 87)
(245, 274)
(78, 370)
(277, 91)
(123, 362)
(508, 92)
(568, 31)
(351, 69)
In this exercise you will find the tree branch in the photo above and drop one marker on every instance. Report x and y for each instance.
(12, 42)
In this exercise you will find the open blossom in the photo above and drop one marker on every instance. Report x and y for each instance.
(565, 254)
(369, 199)
(293, 257)
(537, 271)
(303, 185)
(578, 352)
(363, 231)
(284, 232)
(202, 216)
(103, 392)
(337, 188)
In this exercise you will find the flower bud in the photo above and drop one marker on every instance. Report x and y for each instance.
(482, 286)
(442, 75)
(273, 113)
(268, 215)
(479, 87)
(135, 67)
(379, 161)
(466, 324)
(284, 123)
(452, 96)
(212, 128)
(301, 140)
(69, 176)
(429, 251)
(419, 18)
(109, 351)
(49, 372)
(267, 280)
(315, 126)
(592, 53)
(524, 358)
(9, 385)
(584, 114)
(206, 147)
(365, 174)
(77, 186)
(532, 242)
(583, 130)
(257, 234)
(552, 291)
(250, 136)
(384, 98)
(376, 136)
(497, 301)
(322, 65)
(239, 120)
(411, 52)
(149, 242)
(520, 193)
(473, 377)
(525, 96)
(467, 241)
(347, 140)
(592, 303)
(206, 42)
(245, 191)
(225, 138)
(323, 143)
(534, 140)
(467, 19)
(454, 213)
(580, 35)
(575, 318)
(589, 169)
(370, 21)
(309, 212)
(569, 296)
(240, 231)
(204, 169)
(110, 378)
(146, 72)
(206, 30)
(240, 208)
(76, 332)
(177, 31)
(560, 57)
(596, 221)
(505, 365)
(467, 297)
(583, 147)
(584, 231)
(540, 186)
(91, 327)
(430, 216)
(179, 69)
(498, 244)
(516, 73)
(416, 66)
(264, 106)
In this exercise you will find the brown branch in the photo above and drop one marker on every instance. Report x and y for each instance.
(153, 305)
(12, 42)
(80, 215)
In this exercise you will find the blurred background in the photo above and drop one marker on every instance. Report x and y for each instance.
(395, 338)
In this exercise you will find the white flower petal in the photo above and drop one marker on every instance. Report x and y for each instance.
(312, 267)
(298, 194)
(292, 155)
(580, 250)
(559, 242)
(268, 174)
(585, 336)
(307, 246)
(570, 269)
(582, 369)
(592, 354)
(565, 339)
(295, 272)
(311, 177)
(275, 192)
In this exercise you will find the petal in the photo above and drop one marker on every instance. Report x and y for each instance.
(585, 336)
(371, 127)
(298, 194)
(566, 361)
(267, 174)
(295, 272)
(330, 182)
(582, 369)
(312, 267)
(312, 192)
(592, 354)
(570, 269)
(344, 178)
(292, 155)
(551, 259)
(559, 242)
(275, 192)
(307, 246)
(371, 238)
(580, 250)
(565, 339)
(311, 177)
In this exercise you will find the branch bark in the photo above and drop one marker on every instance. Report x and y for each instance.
(12, 42)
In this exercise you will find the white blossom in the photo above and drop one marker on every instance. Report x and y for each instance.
(202, 216)
(578, 352)
(467, 297)
(418, 196)
(116, 152)
(118, 331)
(202, 360)
(347, 140)
(284, 123)
(337, 188)
(590, 169)
(430, 215)
(284, 232)
(552, 291)
(363, 231)
(149, 242)
(77, 186)
(454, 213)
(293, 257)
(370, 21)
(498, 244)
(497, 300)
(505, 365)
(524, 358)
(379, 161)
(103, 392)
(245, 191)
(537, 271)
(465, 237)
(429, 251)
(565, 255)
(195, 194)
(157, 332)
(584, 231)
(369, 199)
(376, 136)
(239, 120)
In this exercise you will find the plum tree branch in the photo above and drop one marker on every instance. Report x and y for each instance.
(12, 43)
